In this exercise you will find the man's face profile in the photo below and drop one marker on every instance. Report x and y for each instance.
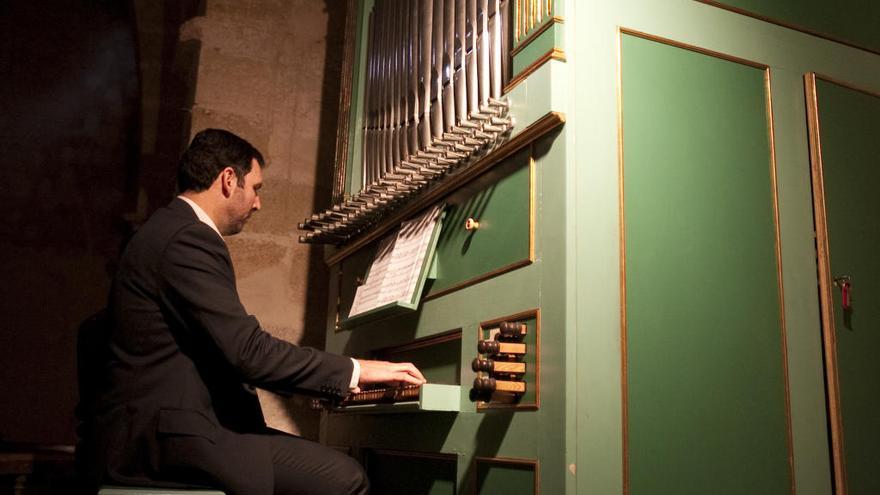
(245, 200)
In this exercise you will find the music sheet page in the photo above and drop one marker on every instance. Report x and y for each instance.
(394, 274)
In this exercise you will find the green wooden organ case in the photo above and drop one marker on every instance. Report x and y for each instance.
(645, 263)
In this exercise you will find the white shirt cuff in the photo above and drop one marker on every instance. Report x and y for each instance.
(355, 374)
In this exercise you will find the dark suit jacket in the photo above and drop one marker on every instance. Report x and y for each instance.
(175, 399)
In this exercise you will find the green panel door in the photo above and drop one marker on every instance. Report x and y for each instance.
(849, 123)
(410, 473)
(501, 202)
(705, 380)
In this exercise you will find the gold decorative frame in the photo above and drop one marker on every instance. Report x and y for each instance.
(515, 265)
(622, 236)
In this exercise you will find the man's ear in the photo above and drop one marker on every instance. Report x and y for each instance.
(228, 181)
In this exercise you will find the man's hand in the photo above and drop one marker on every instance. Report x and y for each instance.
(390, 373)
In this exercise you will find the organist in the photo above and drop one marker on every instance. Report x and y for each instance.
(169, 398)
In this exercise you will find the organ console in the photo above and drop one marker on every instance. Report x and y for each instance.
(563, 247)
(428, 119)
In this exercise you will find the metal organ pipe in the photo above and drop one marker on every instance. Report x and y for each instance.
(432, 102)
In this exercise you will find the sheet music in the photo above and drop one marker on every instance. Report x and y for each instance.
(394, 274)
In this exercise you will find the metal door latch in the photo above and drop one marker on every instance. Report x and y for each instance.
(844, 283)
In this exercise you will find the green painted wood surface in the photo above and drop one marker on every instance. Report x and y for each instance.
(545, 42)
(856, 22)
(706, 392)
(850, 133)
(500, 202)
(506, 479)
(410, 474)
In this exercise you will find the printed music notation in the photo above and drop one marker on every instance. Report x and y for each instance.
(399, 265)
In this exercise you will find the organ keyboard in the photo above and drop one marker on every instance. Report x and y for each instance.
(426, 397)
(383, 395)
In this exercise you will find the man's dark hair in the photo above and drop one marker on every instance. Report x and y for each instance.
(209, 153)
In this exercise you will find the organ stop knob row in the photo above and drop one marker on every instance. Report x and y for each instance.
(500, 367)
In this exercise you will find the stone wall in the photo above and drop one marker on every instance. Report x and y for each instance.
(99, 99)
(268, 71)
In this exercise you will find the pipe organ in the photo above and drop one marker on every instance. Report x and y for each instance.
(623, 187)
(432, 103)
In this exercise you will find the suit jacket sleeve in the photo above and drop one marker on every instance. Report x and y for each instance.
(200, 285)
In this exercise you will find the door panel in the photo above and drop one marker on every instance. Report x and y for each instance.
(705, 380)
(847, 125)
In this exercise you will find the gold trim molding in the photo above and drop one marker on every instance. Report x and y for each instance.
(515, 265)
(522, 315)
(534, 34)
(552, 54)
(539, 128)
(622, 239)
(788, 25)
(530, 13)
(826, 297)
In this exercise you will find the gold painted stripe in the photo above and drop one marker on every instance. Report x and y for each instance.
(533, 184)
(531, 37)
(826, 298)
(847, 85)
(622, 255)
(540, 127)
(789, 25)
(552, 54)
(694, 48)
(517, 264)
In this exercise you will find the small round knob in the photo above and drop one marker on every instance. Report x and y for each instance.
(490, 347)
(480, 364)
(484, 384)
(512, 330)
(471, 224)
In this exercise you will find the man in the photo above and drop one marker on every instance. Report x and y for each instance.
(176, 405)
